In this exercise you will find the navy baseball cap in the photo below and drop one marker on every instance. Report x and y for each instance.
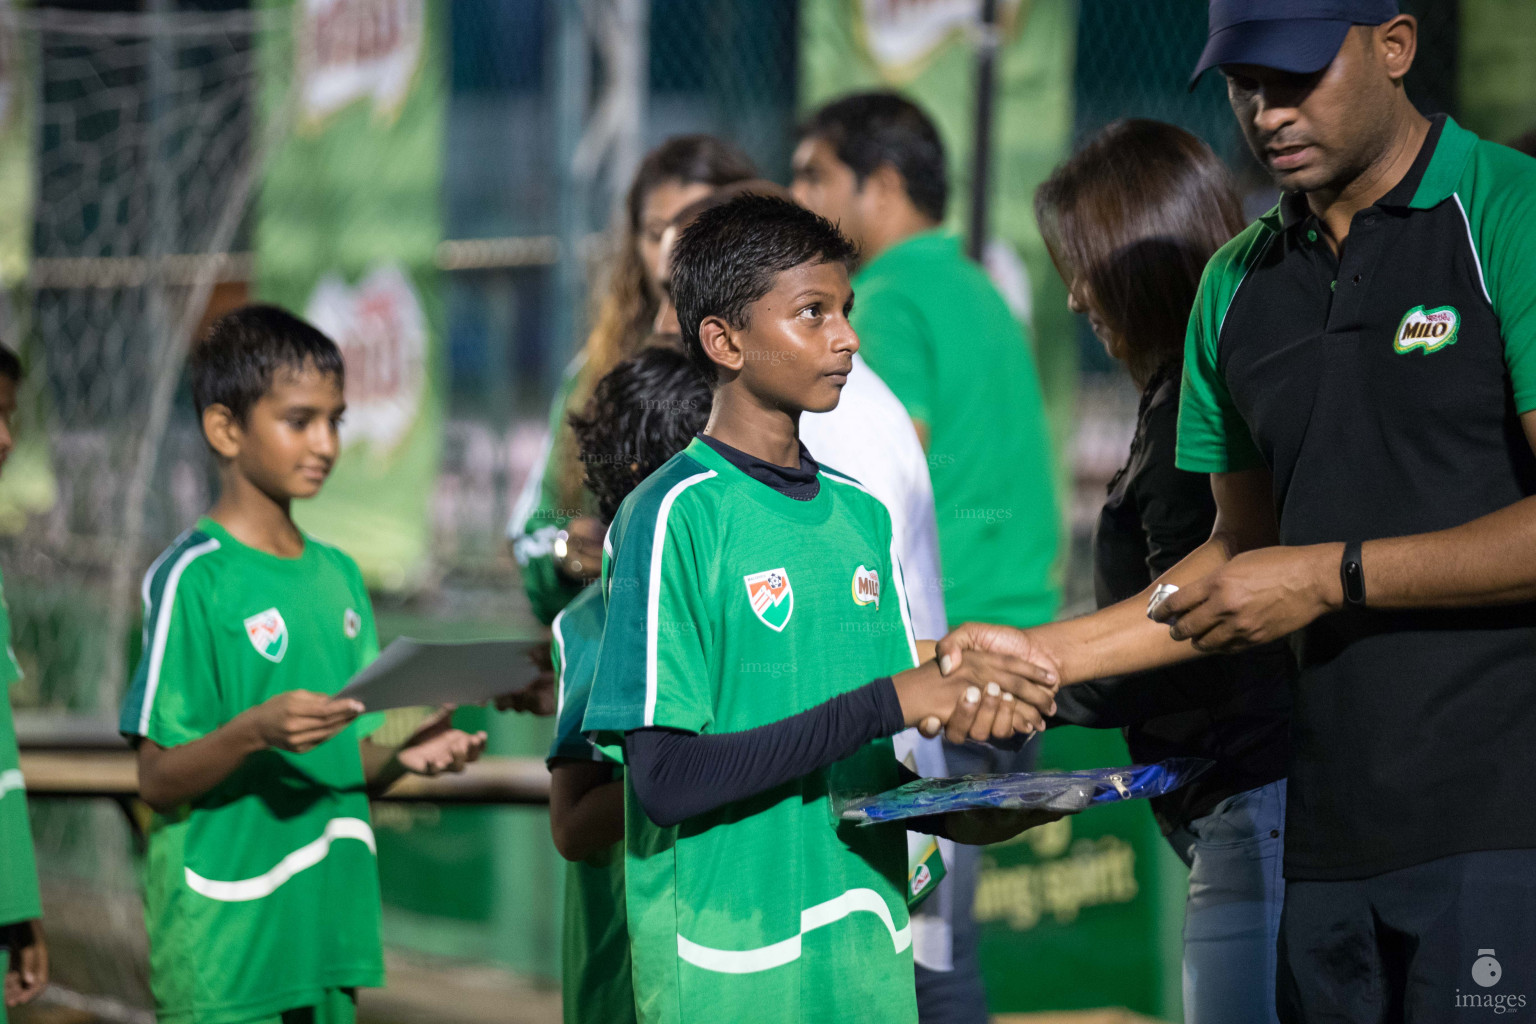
(1300, 36)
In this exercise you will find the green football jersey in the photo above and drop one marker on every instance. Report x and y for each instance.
(18, 871)
(263, 893)
(732, 606)
(594, 955)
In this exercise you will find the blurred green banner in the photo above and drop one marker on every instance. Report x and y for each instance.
(348, 222)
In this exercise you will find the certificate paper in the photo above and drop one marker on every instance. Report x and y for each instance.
(412, 673)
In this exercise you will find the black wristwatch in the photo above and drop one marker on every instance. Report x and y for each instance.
(1352, 575)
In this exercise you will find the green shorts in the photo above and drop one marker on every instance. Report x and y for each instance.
(337, 1006)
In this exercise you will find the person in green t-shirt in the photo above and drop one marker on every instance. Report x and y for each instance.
(641, 414)
(941, 335)
(749, 593)
(262, 895)
(23, 946)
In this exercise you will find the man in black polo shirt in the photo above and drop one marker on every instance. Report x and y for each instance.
(1360, 382)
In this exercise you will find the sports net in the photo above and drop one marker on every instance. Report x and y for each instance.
(141, 145)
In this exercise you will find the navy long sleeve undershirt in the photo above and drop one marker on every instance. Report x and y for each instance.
(678, 775)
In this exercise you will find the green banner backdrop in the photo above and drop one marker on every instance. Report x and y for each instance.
(349, 218)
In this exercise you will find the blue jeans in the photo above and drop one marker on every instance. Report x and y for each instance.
(1232, 917)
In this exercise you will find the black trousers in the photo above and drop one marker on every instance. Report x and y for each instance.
(1451, 940)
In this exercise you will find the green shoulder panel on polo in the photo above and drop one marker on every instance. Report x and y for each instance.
(732, 606)
(19, 899)
(1496, 189)
(594, 956)
(1212, 435)
(263, 893)
(938, 332)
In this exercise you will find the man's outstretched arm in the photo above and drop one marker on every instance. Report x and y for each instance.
(1263, 595)
(1120, 638)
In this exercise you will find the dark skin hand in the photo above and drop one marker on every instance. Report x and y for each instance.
(27, 975)
(583, 558)
(296, 721)
(538, 697)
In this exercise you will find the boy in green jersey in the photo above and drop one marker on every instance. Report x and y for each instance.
(23, 948)
(262, 897)
(644, 411)
(749, 594)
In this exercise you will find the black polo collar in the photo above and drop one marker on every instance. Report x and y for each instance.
(1430, 181)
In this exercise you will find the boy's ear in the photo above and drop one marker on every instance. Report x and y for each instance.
(222, 431)
(720, 344)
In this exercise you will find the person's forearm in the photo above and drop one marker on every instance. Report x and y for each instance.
(1121, 639)
(172, 776)
(592, 823)
(1489, 561)
(680, 775)
(381, 768)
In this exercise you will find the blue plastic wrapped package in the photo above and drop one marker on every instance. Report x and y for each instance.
(1062, 791)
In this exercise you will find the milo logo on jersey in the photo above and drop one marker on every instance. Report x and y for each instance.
(866, 587)
(772, 598)
(1428, 330)
(268, 634)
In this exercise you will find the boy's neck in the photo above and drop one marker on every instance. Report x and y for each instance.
(255, 518)
(741, 421)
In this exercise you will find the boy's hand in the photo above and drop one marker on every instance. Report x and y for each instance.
(580, 557)
(300, 720)
(989, 696)
(28, 972)
(983, 827)
(538, 697)
(437, 747)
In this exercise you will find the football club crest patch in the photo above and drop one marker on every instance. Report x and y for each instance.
(772, 598)
(268, 633)
(351, 624)
(866, 587)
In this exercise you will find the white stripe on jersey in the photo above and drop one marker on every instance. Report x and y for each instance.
(653, 598)
(305, 857)
(554, 628)
(163, 625)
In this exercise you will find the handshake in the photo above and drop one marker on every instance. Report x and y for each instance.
(994, 691)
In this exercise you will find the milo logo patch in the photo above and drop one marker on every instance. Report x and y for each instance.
(1428, 330)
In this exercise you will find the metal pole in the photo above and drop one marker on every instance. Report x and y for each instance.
(987, 44)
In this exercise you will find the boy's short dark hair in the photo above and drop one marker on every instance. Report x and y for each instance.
(10, 364)
(728, 258)
(643, 411)
(868, 129)
(243, 351)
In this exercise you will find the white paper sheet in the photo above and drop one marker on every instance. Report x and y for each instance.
(412, 673)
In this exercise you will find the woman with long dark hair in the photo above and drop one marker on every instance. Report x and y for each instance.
(1131, 220)
(555, 536)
